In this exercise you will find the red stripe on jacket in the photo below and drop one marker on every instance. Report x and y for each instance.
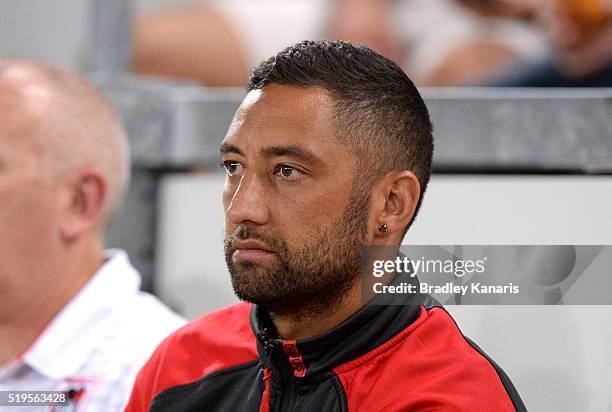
(435, 366)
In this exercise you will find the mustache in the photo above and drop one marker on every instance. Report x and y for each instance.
(242, 232)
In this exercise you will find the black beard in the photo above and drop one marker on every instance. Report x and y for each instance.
(305, 281)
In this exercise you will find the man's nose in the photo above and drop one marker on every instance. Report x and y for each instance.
(248, 203)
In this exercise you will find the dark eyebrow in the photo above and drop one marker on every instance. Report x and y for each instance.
(230, 148)
(295, 151)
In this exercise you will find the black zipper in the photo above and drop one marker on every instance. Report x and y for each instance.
(282, 387)
(288, 388)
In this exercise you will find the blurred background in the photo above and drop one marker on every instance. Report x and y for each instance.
(518, 92)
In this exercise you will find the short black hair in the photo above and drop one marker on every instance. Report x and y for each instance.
(379, 113)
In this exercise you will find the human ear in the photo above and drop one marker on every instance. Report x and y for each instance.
(86, 195)
(397, 196)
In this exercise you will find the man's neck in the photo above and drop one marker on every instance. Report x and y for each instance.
(306, 325)
(309, 324)
(26, 313)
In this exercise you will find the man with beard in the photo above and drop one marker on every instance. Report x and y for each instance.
(329, 151)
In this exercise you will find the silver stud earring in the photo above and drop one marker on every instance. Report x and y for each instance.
(383, 228)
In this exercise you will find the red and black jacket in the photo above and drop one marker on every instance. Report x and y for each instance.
(409, 357)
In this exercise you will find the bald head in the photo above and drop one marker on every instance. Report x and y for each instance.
(68, 123)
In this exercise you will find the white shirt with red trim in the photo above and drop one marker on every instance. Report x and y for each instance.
(97, 343)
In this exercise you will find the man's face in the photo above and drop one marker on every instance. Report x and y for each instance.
(26, 199)
(293, 224)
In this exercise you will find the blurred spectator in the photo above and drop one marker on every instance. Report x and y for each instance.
(367, 22)
(522, 9)
(195, 43)
(438, 42)
(72, 317)
(448, 44)
(579, 33)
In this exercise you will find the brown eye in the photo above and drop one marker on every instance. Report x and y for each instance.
(232, 168)
(287, 172)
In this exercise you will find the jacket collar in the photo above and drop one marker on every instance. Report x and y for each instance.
(375, 323)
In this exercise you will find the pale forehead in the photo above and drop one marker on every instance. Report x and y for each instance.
(25, 87)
